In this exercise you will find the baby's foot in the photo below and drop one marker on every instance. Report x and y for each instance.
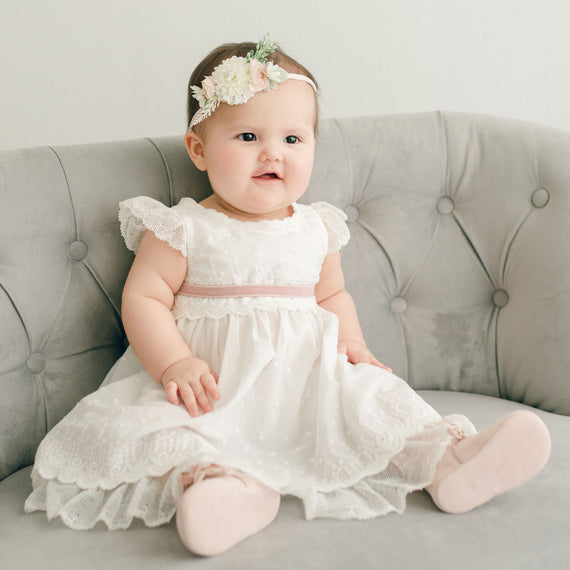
(217, 513)
(477, 468)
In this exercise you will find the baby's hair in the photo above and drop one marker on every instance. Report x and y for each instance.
(225, 51)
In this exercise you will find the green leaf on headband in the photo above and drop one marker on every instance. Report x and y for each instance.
(265, 47)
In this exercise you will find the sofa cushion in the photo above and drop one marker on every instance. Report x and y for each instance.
(526, 528)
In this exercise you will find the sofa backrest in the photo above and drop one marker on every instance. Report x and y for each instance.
(459, 259)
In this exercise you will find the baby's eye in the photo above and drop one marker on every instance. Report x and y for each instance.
(291, 139)
(247, 137)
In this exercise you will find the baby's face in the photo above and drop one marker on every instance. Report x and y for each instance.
(259, 155)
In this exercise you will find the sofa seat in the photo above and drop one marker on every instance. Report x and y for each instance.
(508, 532)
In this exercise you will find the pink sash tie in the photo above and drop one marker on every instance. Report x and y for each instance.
(226, 291)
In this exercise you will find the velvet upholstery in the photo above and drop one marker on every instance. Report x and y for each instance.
(459, 264)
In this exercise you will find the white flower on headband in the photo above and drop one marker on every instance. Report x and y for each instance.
(238, 79)
(233, 81)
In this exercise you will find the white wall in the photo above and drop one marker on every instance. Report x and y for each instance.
(76, 71)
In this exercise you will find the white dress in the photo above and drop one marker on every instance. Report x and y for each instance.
(350, 441)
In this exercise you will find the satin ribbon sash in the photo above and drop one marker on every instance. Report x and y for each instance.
(228, 291)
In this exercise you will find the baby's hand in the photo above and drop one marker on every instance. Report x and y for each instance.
(193, 380)
(357, 352)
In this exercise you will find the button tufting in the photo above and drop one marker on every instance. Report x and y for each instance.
(500, 298)
(352, 213)
(398, 305)
(445, 205)
(36, 362)
(540, 198)
(77, 250)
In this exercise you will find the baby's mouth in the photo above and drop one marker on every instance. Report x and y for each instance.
(268, 176)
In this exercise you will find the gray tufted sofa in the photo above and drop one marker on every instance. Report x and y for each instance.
(460, 267)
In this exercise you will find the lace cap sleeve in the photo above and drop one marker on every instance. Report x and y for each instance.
(137, 215)
(334, 221)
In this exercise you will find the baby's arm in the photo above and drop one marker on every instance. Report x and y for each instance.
(156, 274)
(332, 295)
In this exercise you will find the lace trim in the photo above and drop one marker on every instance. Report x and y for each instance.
(153, 457)
(376, 487)
(202, 212)
(137, 215)
(216, 308)
(334, 221)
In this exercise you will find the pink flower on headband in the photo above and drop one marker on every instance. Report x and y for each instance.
(258, 75)
(209, 87)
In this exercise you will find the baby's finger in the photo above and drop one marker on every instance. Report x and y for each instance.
(380, 365)
(202, 398)
(216, 378)
(189, 400)
(210, 383)
(171, 390)
(360, 358)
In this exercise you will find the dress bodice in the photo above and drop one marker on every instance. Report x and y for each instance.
(224, 251)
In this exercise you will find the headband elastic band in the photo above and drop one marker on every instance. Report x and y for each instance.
(299, 77)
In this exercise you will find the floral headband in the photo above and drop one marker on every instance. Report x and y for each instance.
(237, 79)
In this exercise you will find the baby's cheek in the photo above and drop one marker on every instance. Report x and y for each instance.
(304, 169)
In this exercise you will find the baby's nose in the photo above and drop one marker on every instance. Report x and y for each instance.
(271, 152)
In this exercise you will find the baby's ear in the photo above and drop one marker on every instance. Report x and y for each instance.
(195, 148)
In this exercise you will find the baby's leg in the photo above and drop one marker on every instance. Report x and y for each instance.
(479, 467)
(216, 513)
